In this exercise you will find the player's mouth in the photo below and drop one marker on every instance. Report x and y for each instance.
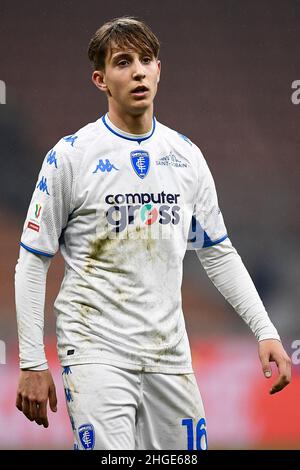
(140, 91)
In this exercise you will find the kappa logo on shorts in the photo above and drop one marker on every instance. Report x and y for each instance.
(66, 370)
(86, 435)
(140, 161)
(68, 394)
(72, 423)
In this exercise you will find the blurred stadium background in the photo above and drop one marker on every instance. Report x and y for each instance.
(227, 70)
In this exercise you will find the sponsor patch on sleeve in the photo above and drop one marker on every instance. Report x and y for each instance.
(33, 226)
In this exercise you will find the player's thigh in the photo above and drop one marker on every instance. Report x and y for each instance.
(102, 402)
(172, 414)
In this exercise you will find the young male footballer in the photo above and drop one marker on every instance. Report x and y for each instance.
(121, 198)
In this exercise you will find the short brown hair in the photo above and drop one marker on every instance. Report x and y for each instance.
(124, 32)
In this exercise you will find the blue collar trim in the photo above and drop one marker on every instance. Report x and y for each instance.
(130, 138)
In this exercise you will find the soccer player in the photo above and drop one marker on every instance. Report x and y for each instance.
(121, 198)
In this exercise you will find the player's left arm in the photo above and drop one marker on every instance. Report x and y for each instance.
(226, 270)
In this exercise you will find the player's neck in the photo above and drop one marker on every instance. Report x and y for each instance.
(132, 124)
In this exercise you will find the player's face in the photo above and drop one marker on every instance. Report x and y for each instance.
(130, 80)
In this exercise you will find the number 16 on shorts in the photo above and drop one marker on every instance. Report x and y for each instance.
(199, 431)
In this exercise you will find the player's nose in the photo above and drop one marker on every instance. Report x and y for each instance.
(138, 70)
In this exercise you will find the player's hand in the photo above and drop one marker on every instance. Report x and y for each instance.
(271, 350)
(34, 389)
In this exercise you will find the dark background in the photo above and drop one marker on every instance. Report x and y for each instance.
(227, 71)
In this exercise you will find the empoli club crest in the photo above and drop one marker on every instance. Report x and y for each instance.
(140, 161)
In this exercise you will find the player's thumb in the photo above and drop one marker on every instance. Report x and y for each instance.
(266, 367)
(52, 398)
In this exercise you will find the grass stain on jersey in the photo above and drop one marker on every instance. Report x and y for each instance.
(163, 352)
(145, 241)
(97, 248)
(160, 338)
(150, 244)
(122, 296)
(124, 253)
(84, 310)
(100, 245)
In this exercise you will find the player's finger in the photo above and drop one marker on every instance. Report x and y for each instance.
(266, 366)
(33, 410)
(19, 402)
(52, 398)
(26, 408)
(281, 383)
(42, 414)
(38, 420)
(284, 368)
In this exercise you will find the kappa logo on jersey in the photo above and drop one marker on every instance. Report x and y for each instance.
(171, 160)
(86, 435)
(126, 209)
(52, 158)
(140, 161)
(42, 185)
(105, 167)
(71, 139)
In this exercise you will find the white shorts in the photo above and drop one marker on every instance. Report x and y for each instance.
(117, 409)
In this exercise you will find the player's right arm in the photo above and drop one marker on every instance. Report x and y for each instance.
(35, 382)
(47, 216)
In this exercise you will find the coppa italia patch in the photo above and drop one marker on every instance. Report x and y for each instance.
(33, 226)
(37, 211)
(36, 216)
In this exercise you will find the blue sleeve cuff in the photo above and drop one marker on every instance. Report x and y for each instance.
(37, 252)
(208, 242)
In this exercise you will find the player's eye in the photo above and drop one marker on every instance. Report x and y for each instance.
(147, 60)
(123, 62)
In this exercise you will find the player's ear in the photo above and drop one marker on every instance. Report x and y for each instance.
(98, 78)
(159, 70)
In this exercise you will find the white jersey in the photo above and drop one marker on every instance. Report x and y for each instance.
(119, 207)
